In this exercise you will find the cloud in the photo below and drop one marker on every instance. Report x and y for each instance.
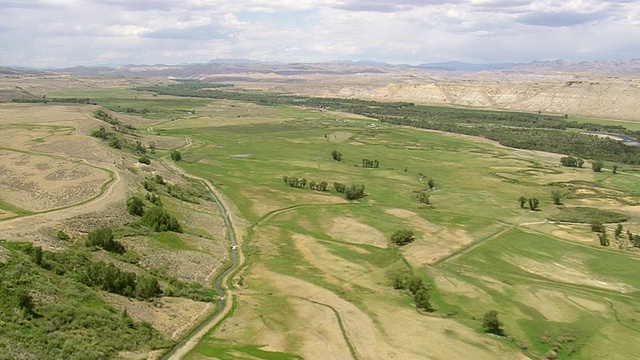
(71, 32)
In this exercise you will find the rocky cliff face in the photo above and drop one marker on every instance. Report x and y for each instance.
(614, 98)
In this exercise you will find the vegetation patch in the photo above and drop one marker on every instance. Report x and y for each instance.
(588, 215)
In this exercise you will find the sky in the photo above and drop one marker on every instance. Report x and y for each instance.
(62, 33)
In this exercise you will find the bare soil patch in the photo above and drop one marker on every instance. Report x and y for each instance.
(436, 241)
(351, 230)
(40, 183)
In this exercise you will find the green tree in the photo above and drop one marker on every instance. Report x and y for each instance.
(135, 206)
(615, 169)
(557, 197)
(336, 155)
(604, 240)
(597, 166)
(597, 226)
(354, 192)
(402, 237)
(25, 302)
(147, 287)
(421, 299)
(423, 198)
(491, 323)
(533, 203)
(159, 220)
(340, 187)
(144, 159)
(431, 183)
(176, 155)
(523, 201)
(103, 237)
(618, 231)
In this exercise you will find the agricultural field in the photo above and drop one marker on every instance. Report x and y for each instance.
(319, 276)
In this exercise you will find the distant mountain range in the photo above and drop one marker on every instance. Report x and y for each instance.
(341, 67)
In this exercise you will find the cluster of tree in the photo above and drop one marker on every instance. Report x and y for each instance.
(417, 288)
(366, 163)
(118, 142)
(402, 237)
(66, 319)
(571, 161)
(117, 125)
(110, 278)
(302, 183)
(533, 203)
(351, 192)
(519, 130)
(336, 155)
(103, 238)
(44, 99)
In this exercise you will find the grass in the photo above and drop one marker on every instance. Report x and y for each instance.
(588, 215)
(550, 292)
(170, 240)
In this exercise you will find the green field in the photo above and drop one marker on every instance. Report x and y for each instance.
(557, 291)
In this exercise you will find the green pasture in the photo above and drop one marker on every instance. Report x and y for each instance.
(595, 293)
(581, 302)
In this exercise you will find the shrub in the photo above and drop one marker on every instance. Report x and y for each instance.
(175, 155)
(354, 192)
(159, 219)
(402, 237)
(62, 235)
(144, 159)
(135, 206)
(103, 237)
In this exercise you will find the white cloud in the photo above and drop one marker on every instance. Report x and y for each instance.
(68, 32)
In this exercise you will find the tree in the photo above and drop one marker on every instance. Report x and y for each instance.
(491, 323)
(597, 226)
(431, 183)
(354, 192)
(144, 159)
(557, 197)
(103, 237)
(421, 299)
(175, 155)
(25, 302)
(336, 155)
(615, 169)
(533, 203)
(135, 206)
(147, 287)
(618, 231)
(604, 240)
(402, 237)
(423, 198)
(340, 187)
(597, 166)
(569, 161)
(160, 220)
(523, 201)
(579, 162)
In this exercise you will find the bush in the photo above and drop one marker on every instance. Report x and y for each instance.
(402, 237)
(354, 192)
(103, 237)
(175, 155)
(135, 206)
(62, 235)
(144, 159)
(491, 323)
(159, 219)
